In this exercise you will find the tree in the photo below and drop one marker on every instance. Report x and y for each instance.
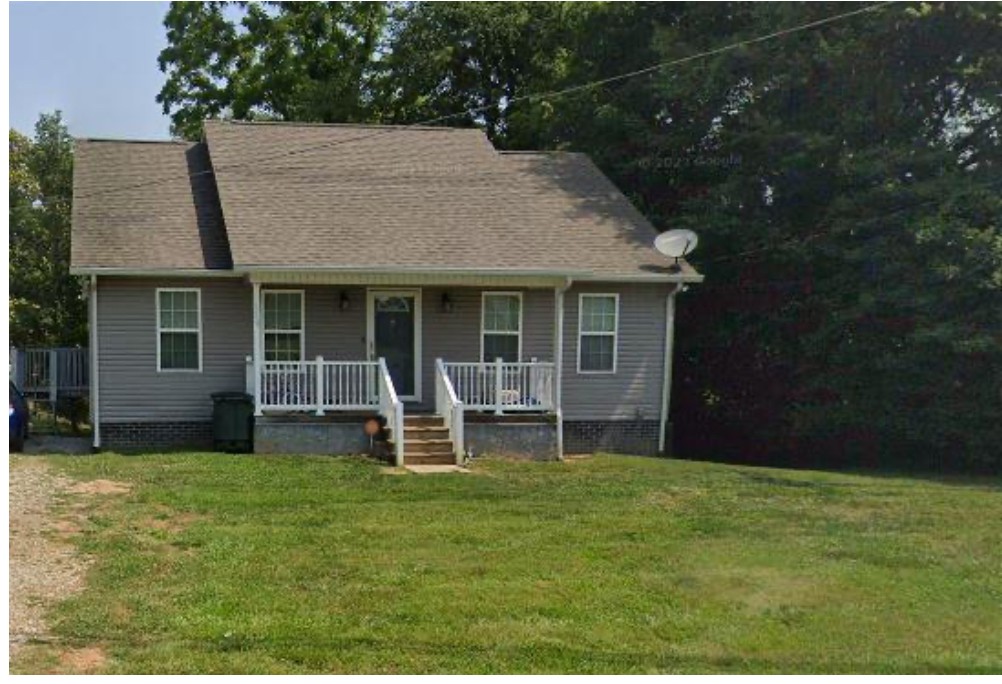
(844, 180)
(286, 61)
(47, 307)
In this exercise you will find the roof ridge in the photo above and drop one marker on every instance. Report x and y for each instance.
(133, 141)
(317, 124)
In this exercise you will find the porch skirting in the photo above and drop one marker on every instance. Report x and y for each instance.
(616, 436)
(534, 439)
(162, 435)
(308, 435)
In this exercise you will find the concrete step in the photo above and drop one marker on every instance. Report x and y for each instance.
(426, 459)
(427, 446)
(414, 433)
(421, 420)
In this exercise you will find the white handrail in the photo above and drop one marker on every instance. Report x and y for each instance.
(448, 405)
(504, 386)
(392, 409)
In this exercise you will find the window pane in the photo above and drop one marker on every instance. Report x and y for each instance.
(178, 310)
(283, 311)
(282, 347)
(178, 351)
(166, 309)
(596, 352)
(598, 314)
(505, 346)
(501, 313)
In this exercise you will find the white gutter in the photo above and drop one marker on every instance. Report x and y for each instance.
(159, 272)
(95, 407)
(260, 273)
(666, 378)
(558, 361)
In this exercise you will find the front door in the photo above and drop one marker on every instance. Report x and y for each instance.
(395, 335)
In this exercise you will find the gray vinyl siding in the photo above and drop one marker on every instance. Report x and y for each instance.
(133, 391)
(131, 388)
(634, 390)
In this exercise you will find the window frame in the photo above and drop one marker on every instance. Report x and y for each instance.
(161, 329)
(614, 333)
(265, 330)
(483, 312)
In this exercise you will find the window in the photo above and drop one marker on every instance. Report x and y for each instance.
(501, 326)
(179, 330)
(598, 322)
(283, 325)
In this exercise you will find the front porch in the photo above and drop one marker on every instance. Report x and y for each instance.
(423, 405)
(486, 396)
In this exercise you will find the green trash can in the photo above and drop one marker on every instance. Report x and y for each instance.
(233, 422)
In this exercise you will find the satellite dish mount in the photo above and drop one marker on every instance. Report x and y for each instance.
(676, 244)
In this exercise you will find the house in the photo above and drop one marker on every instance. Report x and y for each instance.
(471, 299)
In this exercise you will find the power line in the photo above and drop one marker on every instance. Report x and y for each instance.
(523, 98)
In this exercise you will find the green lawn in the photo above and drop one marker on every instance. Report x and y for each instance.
(245, 564)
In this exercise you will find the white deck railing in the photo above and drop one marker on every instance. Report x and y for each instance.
(501, 386)
(448, 405)
(392, 410)
(319, 385)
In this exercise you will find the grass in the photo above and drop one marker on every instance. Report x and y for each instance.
(243, 564)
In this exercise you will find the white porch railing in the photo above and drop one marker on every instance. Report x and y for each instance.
(501, 386)
(448, 405)
(392, 410)
(319, 385)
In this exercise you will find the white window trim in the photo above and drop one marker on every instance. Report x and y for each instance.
(614, 334)
(483, 310)
(198, 330)
(265, 331)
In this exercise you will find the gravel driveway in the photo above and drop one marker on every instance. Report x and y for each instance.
(43, 569)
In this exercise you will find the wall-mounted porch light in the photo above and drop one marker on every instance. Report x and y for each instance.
(446, 303)
(344, 302)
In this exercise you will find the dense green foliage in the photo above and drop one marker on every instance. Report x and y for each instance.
(46, 306)
(845, 181)
(250, 564)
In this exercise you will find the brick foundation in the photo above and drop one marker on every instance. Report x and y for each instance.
(147, 436)
(617, 436)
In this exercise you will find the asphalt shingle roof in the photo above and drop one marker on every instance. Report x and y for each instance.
(360, 197)
(125, 218)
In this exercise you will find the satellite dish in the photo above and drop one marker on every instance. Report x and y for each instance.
(676, 244)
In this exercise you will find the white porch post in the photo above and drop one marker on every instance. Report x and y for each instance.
(320, 385)
(666, 380)
(498, 384)
(558, 363)
(258, 350)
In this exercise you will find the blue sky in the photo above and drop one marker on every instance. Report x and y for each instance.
(96, 61)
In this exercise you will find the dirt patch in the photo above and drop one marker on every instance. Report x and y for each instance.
(45, 568)
(100, 487)
(83, 660)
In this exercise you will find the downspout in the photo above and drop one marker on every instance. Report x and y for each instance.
(558, 361)
(95, 375)
(666, 378)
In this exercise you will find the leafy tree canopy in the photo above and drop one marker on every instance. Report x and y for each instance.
(46, 307)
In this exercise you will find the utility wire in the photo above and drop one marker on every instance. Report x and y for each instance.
(523, 98)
